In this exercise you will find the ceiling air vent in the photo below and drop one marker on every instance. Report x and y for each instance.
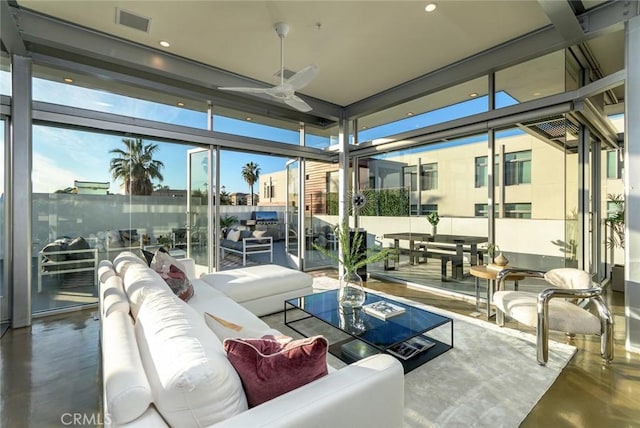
(131, 20)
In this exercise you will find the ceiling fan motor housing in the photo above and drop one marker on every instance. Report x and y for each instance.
(282, 28)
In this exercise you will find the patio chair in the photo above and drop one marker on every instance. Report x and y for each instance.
(557, 308)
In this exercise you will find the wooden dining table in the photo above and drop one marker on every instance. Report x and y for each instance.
(460, 242)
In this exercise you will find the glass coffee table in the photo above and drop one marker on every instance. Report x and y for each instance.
(354, 334)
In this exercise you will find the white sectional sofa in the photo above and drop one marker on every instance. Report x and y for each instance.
(163, 366)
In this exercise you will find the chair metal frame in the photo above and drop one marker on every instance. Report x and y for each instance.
(593, 294)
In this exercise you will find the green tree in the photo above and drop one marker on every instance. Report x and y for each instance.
(250, 174)
(225, 196)
(136, 167)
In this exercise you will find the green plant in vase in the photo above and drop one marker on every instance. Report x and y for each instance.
(434, 219)
(616, 240)
(351, 292)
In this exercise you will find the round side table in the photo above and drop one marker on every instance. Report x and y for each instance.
(481, 271)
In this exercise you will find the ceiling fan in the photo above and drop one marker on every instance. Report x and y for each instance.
(285, 91)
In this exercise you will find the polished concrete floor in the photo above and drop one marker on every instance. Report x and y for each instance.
(49, 373)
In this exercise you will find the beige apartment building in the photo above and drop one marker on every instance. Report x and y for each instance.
(453, 179)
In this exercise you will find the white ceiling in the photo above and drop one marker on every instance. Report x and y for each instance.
(361, 47)
(364, 48)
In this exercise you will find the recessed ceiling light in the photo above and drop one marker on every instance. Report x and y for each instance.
(164, 43)
(68, 80)
(410, 113)
(364, 127)
(473, 94)
(536, 94)
(180, 104)
(430, 7)
(248, 118)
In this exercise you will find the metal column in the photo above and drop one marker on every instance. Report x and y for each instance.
(632, 189)
(21, 163)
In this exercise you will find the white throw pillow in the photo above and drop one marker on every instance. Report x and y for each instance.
(259, 233)
(226, 329)
(233, 235)
(569, 278)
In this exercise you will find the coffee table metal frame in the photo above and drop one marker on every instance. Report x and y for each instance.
(379, 335)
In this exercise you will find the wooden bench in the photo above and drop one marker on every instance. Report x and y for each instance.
(444, 253)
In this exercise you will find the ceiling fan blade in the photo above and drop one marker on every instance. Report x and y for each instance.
(303, 77)
(247, 90)
(297, 103)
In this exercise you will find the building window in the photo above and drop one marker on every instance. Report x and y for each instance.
(613, 166)
(517, 168)
(426, 209)
(410, 177)
(482, 171)
(269, 190)
(413, 209)
(517, 210)
(482, 210)
(429, 176)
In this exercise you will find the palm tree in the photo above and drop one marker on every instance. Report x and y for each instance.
(250, 174)
(136, 166)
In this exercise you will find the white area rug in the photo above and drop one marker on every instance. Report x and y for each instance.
(490, 378)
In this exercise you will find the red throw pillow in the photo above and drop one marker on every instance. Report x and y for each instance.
(178, 282)
(173, 274)
(269, 367)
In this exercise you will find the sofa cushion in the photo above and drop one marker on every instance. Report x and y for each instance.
(140, 281)
(128, 394)
(79, 243)
(52, 248)
(271, 367)
(113, 297)
(255, 282)
(125, 259)
(226, 329)
(105, 270)
(234, 245)
(192, 381)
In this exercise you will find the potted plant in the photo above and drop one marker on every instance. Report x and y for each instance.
(616, 239)
(351, 292)
(434, 219)
(165, 241)
(226, 222)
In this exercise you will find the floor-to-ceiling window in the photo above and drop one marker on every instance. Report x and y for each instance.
(406, 188)
(4, 298)
(536, 223)
(95, 195)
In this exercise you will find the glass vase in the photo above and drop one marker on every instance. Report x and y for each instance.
(351, 293)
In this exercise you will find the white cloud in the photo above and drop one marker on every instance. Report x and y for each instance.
(49, 177)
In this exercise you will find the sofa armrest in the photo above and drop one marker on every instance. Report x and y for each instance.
(369, 392)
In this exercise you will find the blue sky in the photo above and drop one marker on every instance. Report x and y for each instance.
(62, 155)
(58, 161)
